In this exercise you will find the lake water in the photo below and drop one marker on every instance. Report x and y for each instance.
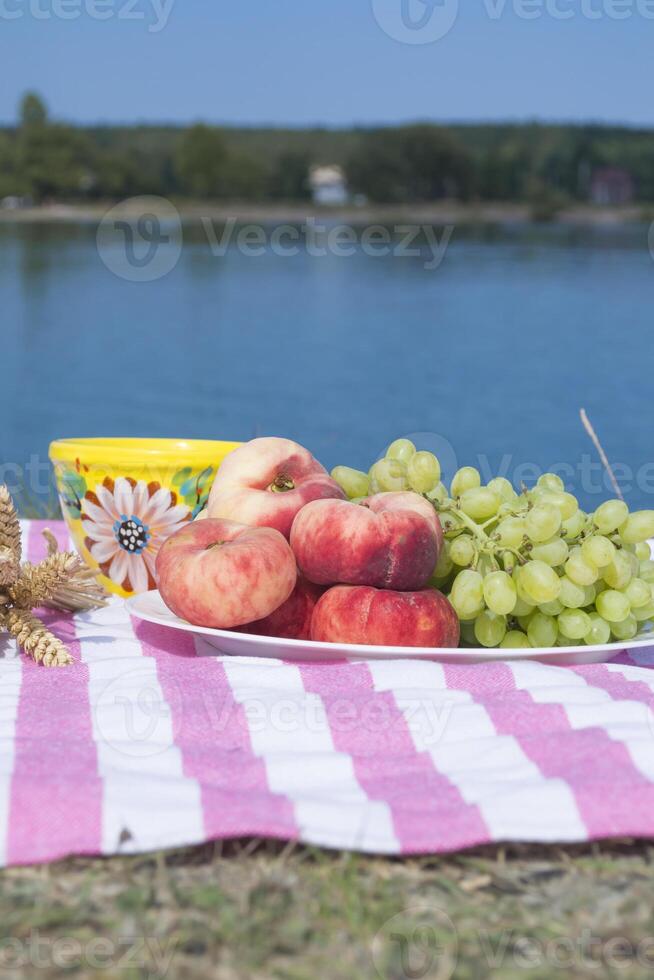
(489, 355)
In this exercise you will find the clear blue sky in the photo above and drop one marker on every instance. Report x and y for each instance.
(325, 61)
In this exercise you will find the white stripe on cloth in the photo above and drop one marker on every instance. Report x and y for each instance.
(490, 770)
(587, 706)
(289, 731)
(148, 802)
(11, 670)
(11, 673)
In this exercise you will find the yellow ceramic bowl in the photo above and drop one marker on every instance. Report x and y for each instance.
(122, 498)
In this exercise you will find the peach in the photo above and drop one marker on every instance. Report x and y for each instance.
(222, 574)
(292, 620)
(379, 617)
(266, 482)
(389, 541)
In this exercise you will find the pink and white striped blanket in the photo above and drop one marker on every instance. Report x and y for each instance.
(151, 742)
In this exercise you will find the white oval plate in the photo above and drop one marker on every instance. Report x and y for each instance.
(150, 607)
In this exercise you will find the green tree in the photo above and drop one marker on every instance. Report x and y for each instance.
(411, 163)
(9, 181)
(289, 178)
(202, 162)
(52, 160)
(33, 111)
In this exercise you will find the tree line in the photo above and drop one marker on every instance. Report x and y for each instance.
(44, 160)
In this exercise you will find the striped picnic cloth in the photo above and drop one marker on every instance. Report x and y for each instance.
(150, 742)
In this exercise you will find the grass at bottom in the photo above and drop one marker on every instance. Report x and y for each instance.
(263, 910)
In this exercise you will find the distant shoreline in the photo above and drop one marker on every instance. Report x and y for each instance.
(441, 213)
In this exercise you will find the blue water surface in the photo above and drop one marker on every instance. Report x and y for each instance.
(489, 356)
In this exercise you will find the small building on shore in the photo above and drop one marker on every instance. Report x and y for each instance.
(328, 185)
(611, 185)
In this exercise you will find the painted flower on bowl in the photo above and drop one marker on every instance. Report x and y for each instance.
(125, 523)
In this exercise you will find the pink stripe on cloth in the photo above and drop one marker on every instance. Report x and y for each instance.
(37, 548)
(428, 811)
(612, 796)
(620, 688)
(211, 731)
(56, 793)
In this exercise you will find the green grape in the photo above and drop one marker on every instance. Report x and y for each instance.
(634, 563)
(574, 624)
(467, 478)
(569, 506)
(518, 506)
(480, 503)
(515, 640)
(580, 570)
(524, 621)
(523, 596)
(542, 522)
(619, 573)
(625, 630)
(552, 608)
(500, 593)
(522, 607)
(468, 637)
(638, 527)
(613, 606)
(449, 522)
(598, 551)
(463, 551)
(423, 472)
(610, 515)
(353, 482)
(511, 532)
(401, 449)
(553, 552)
(542, 630)
(438, 494)
(389, 475)
(590, 592)
(467, 594)
(574, 525)
(490, 629)
(644, 614)
(550, 481)
(540, 582)
(565, 503)
(600, 631)
(444, 565)
(508, 561)
(503, 488)
(572, 596)
(642, 551)
(638, 593)
(646, 570)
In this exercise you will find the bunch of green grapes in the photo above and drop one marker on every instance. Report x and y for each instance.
(528, 569)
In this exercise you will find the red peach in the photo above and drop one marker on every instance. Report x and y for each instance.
(292, 621)
(382, 542)
(222, 574)
(406, 500)
(380, 617)
(266, 482)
